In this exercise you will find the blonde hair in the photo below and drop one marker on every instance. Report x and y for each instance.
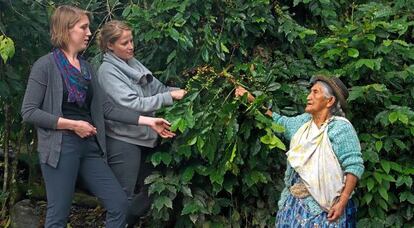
(63, 19)
(110, 33)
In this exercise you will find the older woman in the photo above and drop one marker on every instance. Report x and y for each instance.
(324, 160)
(131, 85)
(66, 106)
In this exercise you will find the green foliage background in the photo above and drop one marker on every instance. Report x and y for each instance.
(225, 168)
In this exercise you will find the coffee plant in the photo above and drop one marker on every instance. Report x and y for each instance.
(225, 167)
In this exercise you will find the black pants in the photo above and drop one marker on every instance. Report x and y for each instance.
(127, 161)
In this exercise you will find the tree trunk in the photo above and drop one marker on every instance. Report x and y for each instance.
(6, 156)
(14, 168)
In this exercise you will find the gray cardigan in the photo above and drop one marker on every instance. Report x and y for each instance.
(42, 106)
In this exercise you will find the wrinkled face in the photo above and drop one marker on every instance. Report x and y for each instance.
(316, 100)
(79, 34)
(124, 46)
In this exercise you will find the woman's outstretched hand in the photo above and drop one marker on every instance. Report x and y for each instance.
(178, 94)
(240, 91)
(159, 125)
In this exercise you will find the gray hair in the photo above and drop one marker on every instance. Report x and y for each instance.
(335, 110)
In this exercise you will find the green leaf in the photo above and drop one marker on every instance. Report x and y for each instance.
(395, 166)
(190, 208)
(179, 124)
(370, 63)
(233, 153)
(403, 118)
(174, 34)
(352, 52)
(408, 181)
(254, 177)
(368, 197)
(171, 56)
(162, 201)
(393, 116)
(355, 94)
(205, 55)
(386, 166)
(224, 48)
(184, 150)
(378, 177)
(384, 193)
(217, 177)
(200, 143)
(159, 157)
(333, 52)
(370, 184)
(306, 32)
(192, 141)
(187, 174)
(6, 48)
(186, 191)
(400, 144)
(402, 43)
(378, 145)
(388, 177)
(365, 62)
(387, 43)
(383, 204)
(400, 181)
(407, 196)
(272, 87)
(371, 37)
(410, 198)
(296, 2)
(272, 141)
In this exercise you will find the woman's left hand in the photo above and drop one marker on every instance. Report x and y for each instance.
(159, 125)
(336, 211)
(178, 94)
(162, 127)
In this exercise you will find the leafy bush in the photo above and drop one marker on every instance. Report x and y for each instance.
(275, 48)
(225, 168)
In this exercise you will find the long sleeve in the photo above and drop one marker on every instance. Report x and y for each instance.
(121, 93)
(34, 97)
(159, 87)
(346, 145)
(115, 113)
(291, 124)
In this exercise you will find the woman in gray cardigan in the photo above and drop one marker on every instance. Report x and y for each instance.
(130, 84)
(64, 102)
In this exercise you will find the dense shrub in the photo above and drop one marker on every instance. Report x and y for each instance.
(225, 167)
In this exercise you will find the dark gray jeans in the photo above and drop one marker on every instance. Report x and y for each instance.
(127, 161)
(82, 157)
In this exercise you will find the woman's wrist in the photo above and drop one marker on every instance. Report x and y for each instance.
(269, 113)
(344, 197)
(145, 120)
(67, 124)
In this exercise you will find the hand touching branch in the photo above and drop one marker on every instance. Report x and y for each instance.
(159, 125)
(240, 91)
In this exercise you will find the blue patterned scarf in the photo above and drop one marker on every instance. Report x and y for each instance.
(76, 81)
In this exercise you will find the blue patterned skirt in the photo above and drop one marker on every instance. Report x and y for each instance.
(295, 214)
